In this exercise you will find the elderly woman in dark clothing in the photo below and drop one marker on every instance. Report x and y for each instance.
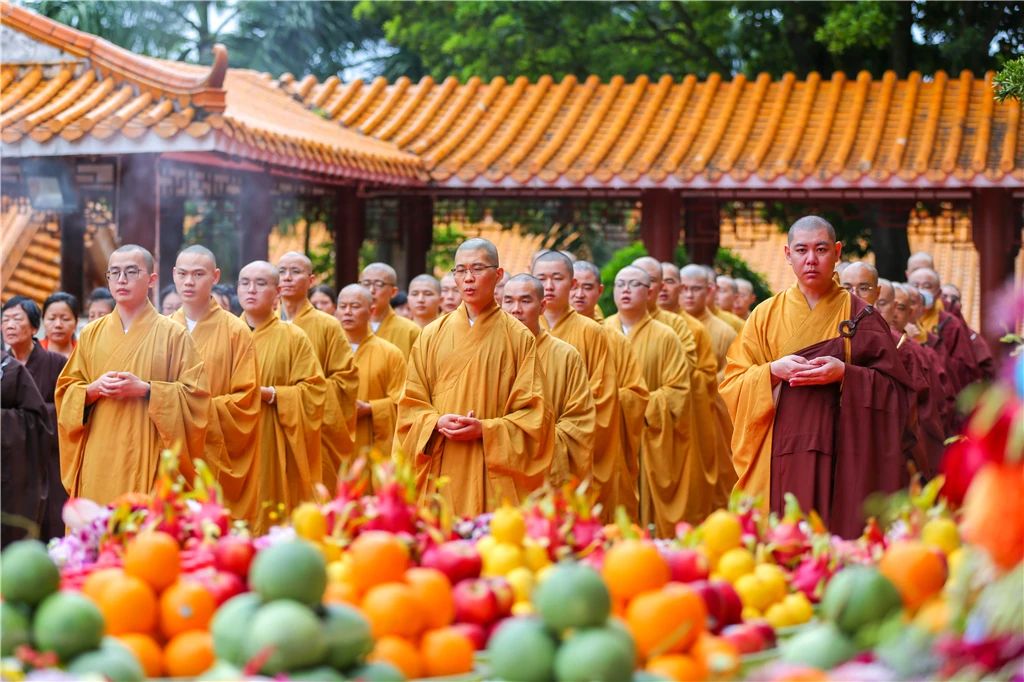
(19, 324)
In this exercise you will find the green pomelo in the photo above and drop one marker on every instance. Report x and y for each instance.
(377, 672)
(221, 671)
(67, 623)
(523, 650)
(594, 655)
(113, 661)
(15, 628)
(290, 570)
(27, 573)
(291, 632)
(230, 627)
(348, 636)
(321, 673)
(572, 596)
(859, 596)
(823, 646)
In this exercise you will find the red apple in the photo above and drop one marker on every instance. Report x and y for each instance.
(713, 602)
(234, 554)
(504, 594)
(221, 584)
(766, 631)
(475, 633)
(457, 559)
(747, 638)
(687, 565)
(475, 602)
(732, 606)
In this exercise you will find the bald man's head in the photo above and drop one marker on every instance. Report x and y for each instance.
(669, 296)
(355, 306)
(921, 259)
(928, 283)
(726, 294)
(633, 288)
(652, 267)
(258, 284)
(861, 279)
(523, 299)
(295, 272)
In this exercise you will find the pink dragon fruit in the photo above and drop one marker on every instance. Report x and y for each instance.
(786, 538)
(811, 576)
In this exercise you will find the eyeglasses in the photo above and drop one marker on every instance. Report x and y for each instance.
(632, 284)
(860, 288)
(130, 274)
(376, 283)
(477, 269)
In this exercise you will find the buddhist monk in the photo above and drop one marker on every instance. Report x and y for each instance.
(381, 279)
(668, 468)
(295, 272)
(745, 298)
(133, 387)
(954, 337)
(424, 299)
(473, 408)
(693, 296)
(952, 303)
(920, 259)
(712, 303)
(381, 369)
(292, 394)
(450, 296)
(632, 399)
(683, 330)
(567, 389)
(798, 353)
(225, 344)
(499, 288)
(555, 272)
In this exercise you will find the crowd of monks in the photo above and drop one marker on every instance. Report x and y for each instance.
(495, 385)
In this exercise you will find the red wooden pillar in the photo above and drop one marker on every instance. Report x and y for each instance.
(349, 226)
(996, 232)
(257, 216)
(703, 230)
(416, 234)
(660, 222)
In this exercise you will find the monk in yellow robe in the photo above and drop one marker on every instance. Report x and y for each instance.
(335, 356)
(424, 299)
(229, 356)
(292, 393)
(473, 407)
(381, 372)
(381, 279)
(567, 390)
(726, 292)
(653, 269)
(745, 298)
(555, 272)
(450, 296)
(693, 298)
(798, 354)
(632, 397)
(133, 387)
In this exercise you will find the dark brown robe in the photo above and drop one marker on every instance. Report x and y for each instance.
(928, 406)
(952, 341)
(23, 450)
(982, 353)
(45, 367)
(835, 445)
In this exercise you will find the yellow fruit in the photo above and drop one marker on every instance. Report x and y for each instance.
(735, 563)
(521, 580)
(340, 571)
(778, 616)
(954, 562)
(774, 580)
(485, 544)
(535, 554)
(508, 525)
(721, 531)
(799, 608)
(331, 549)
(750, 613)
(542, 575)
(522, 608)
(753, 592)
(941, 533)
(502, 558)
(309, 522)
(933, 615)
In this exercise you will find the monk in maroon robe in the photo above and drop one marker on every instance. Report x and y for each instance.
(951, 301)
(954, 339)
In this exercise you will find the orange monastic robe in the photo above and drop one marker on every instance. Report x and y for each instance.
(489, 367)
(232, 436)
(666, 464)
(290, 427)
(633, 399)
(734, 321)
(399, 331)
(722, 336)
(381, 380)
(113, 446)
(682, 330)
(335, 356)
(567, 394)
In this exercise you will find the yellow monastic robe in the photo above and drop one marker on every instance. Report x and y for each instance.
(232, 436)
(734, 321)
(290, 427)
(682, 330)
(780, 326)
(113, 446)
(722, 336)
(399, 331)
(567, 394)
(633, 399)
(590, 340)
(929, 322)
(667, 470)
(335, 356)
(381, 380)
(489, 367)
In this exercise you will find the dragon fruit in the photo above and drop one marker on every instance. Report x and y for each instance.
(811, 576)
(786, 538)
(389, 510)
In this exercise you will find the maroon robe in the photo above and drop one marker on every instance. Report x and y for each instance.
(929, 405)
(982, 353)
(45, 367)
(833, 445)
(952, 341)
(23, 449)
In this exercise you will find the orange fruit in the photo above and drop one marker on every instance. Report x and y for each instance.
(720, 657)
(679, 667)
(377, 557)
(189, 654)
(128, 605)
(97, 581)
(917, 571)
(394, 609)
(185, 605)
(153, 556)
(435, 593)
(341, 593)
(666, 621)
(400, 653)
(632, 567)
(994, 512)
(446, 651)
(147, 651)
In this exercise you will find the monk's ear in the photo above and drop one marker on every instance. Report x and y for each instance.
(152, 277)
(839, 251)
(216, 275)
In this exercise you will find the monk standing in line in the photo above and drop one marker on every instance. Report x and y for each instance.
(133, 387)
(745, 298)
(225, 344)
(450, 296)
(694, 297)
(382, 281)
(424, 299)
(953, 304)
(797, 355)
(726, 292)
(473, 408)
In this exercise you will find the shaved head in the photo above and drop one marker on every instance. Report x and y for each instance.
(200, 251)
(535, 284)
(563, 261)
(425, 281)
(861, 279)
(489, 250)
(261, 268)
(391, 277)
(634, 272)
(147, 257)
(921, 259)
(811, 223)
(294, 257)
(357, 291)
(693, 271)
(586, 266)
(523, 299)
(726, 282)
(652, 266)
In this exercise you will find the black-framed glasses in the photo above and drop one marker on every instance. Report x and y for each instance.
(130, 274)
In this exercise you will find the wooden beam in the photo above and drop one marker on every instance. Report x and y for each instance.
(660, 222)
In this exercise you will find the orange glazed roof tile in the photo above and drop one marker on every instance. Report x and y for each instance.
(85, 88)
(839, 132)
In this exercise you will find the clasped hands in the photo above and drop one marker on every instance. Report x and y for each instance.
(458, 427)
(118, 385)
(799, 371)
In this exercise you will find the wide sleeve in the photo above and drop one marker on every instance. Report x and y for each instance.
(633, 399)
(342, 376)
(238, 412)
(384, 410)
(299, 406)
(417, 416)
(574, 428)
(72, 412)
(179, 407)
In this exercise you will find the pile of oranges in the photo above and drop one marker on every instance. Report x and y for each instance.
(410, 609)
(160, 615)
(668, 620)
